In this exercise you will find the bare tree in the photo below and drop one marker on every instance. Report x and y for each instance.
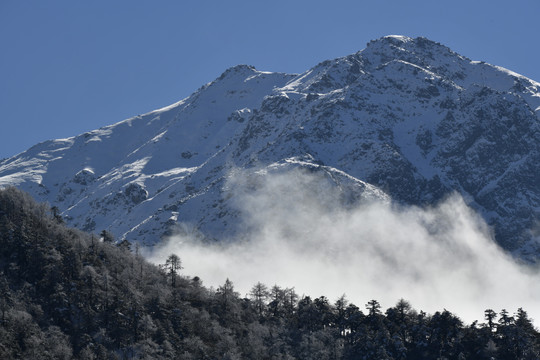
(259, 295)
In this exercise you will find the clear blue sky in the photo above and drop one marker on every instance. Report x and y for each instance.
(69, 66)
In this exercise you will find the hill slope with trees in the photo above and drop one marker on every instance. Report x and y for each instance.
(68, 294)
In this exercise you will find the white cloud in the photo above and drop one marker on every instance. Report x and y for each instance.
(298, 235)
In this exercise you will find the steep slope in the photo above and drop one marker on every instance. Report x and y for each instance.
(404, 117)
(136, 166)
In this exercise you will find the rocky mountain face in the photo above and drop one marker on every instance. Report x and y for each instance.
(404, 119)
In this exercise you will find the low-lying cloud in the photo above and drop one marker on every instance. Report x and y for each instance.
(298, 234)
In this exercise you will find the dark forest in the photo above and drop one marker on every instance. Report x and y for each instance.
(68, 294)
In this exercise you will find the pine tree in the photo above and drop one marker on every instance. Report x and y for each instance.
(490, 316)
(107, 237)
(171, 266)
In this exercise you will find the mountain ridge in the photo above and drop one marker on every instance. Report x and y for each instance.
(407, 119)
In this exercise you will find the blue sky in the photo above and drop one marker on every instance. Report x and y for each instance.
(67, 67)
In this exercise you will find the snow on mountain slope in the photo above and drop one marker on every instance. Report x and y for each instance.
(407, 116)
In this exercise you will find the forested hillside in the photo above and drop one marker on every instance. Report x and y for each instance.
(67, 294)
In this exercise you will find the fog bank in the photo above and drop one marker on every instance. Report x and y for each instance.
(297, 234)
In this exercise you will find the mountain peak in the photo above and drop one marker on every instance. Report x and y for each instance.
(419, 50)
(238, 70)
(405, 43)
(394, 39)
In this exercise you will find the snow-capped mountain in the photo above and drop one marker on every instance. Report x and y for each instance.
(406, 119)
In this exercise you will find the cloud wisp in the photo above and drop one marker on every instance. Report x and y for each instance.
(297, 234)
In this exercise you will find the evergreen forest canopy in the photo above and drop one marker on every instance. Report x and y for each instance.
(68, 294)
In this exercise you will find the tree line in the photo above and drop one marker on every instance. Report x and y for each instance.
(67, 294)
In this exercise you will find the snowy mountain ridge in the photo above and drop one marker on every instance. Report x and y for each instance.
(404, 119)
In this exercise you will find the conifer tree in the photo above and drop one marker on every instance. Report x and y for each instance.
(259, 295)
(172, 265)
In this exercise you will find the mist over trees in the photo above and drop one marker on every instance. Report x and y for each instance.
(67, 294)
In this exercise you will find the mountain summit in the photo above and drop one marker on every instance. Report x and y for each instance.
(404, 119)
